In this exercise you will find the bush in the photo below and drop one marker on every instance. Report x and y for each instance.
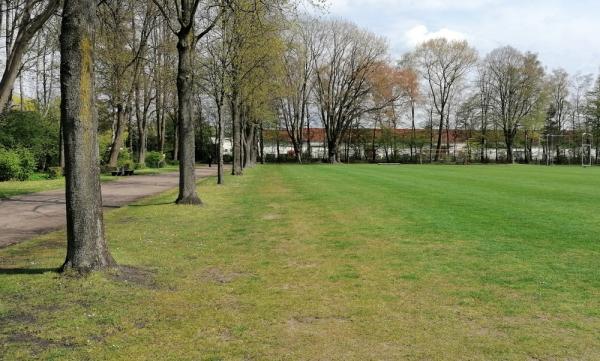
(125, 159)
(54, 172)
(32, 131)
(27, 164)
(10, 165)
(155, 160)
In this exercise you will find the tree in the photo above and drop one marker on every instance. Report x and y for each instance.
(558, 83)
(345, 57)
(297, 75)
(186, 13)
(31, 15)
(86, 244)
(592, 114)
(443, 64)
(413, 97)
(517, 87)
(483, 103)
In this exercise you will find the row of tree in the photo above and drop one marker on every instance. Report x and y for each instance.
(127, 63)
(182, 76)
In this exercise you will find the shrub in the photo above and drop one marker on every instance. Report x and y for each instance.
(27, 164)
(54, 172)
(10, 165)
(155, 159)
(125, 159)
(32, 131)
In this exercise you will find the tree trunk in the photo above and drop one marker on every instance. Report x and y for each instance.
(176, 136)
(86, 244)
(332, 151)
(117, 143)
(438, 148)
(308, 142)
(237, 136)
(187, 145)
(413, 131)
(221, 136)
(509, 150)
(374, 154)
(262, 143)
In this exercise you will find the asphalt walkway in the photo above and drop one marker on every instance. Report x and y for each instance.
(26, 216)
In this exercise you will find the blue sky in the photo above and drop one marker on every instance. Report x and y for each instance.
(564, 33)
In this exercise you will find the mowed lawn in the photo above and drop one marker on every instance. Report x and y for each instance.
(328, 263)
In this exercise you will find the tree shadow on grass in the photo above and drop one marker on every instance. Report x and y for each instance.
(26, 271)
(152, 204)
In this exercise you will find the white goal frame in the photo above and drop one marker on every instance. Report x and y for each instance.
(587, 139)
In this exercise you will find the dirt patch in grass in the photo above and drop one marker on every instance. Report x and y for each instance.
(37, 342)
(218, 276)
(18, 318)
(136, 276)
(318, 319)
(271, 217)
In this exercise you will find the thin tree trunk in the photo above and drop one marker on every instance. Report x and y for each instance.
(117, 143)
(414, 131)
(237, 136)
(438, 148)
(221, 136)
(86, 245)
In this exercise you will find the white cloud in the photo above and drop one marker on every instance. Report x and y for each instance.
(563, 32)
(420, 34)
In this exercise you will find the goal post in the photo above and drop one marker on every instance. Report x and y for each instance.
(587, 139)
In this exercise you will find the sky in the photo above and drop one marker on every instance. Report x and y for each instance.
(565, 33)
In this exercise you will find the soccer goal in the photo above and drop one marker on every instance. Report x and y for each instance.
(586, 149)
(549, 146)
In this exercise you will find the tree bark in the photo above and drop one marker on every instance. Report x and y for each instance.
(237, 136)
(221, 135)
(86, 244)
(438, 148)
(187, 146)
(117, 143)
(332, 152)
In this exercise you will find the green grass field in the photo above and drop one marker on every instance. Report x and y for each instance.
(328, 263)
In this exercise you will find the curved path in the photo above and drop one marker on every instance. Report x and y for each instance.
(26, 216)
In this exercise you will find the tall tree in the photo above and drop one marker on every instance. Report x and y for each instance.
(186, 15)
(345, 57)
(443, 64)
(86, 244)
(296, 80)
(517, 87)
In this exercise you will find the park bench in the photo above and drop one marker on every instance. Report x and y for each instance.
(122, 172)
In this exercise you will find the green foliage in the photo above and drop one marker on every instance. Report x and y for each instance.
(16, 164)
(10, 165)
(27, 164)
(125, 159)
(31, 131)
(104, 142)
(155, 159)
(54, 172)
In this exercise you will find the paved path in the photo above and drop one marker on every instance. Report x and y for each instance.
(24, 217)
